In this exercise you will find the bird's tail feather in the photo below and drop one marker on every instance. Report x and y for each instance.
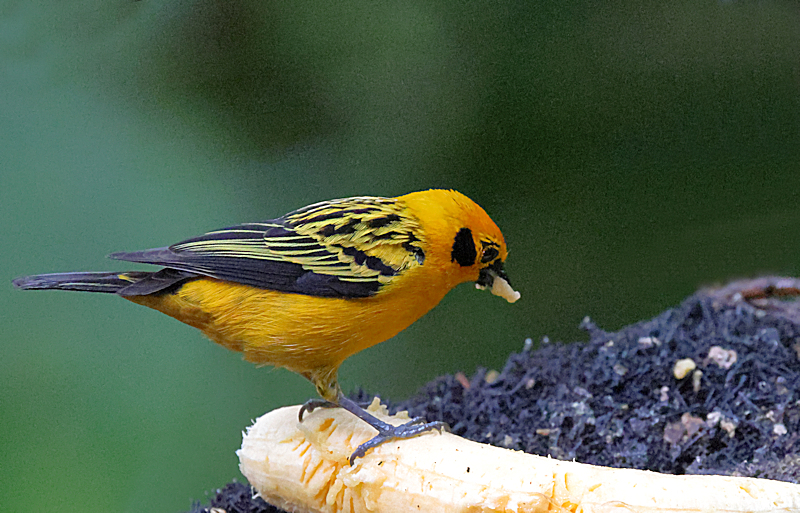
(87, 282)
(135, 283)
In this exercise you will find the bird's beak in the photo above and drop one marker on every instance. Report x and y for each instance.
(495, 279)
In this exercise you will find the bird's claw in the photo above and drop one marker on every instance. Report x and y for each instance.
(421, 420)
(410, 429)
(313, 404)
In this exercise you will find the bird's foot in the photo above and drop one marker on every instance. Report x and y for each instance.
(412, 428)
(386, 431)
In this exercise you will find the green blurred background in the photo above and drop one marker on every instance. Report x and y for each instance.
(630, 151)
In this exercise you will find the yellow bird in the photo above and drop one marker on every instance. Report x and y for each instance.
(309, 289)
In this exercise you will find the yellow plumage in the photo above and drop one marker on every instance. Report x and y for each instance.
(309, 289)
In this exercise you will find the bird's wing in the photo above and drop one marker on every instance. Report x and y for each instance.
(341, 248)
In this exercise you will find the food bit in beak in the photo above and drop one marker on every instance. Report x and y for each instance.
(499, 285)
(501, 288)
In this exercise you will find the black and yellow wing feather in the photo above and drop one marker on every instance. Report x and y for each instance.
(342, 248)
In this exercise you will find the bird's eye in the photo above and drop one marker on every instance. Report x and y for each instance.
(489, 254)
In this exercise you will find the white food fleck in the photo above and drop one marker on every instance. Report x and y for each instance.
(501, 288)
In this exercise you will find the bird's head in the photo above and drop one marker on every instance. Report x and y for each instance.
(466, 244)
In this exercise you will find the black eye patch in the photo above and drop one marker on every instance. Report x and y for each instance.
(489, 254)
(464, 251)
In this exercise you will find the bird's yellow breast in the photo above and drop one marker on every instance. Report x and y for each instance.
(299, 332)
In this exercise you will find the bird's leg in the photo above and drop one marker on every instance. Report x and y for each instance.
(386, 431)
(327, 385)
(326, 382)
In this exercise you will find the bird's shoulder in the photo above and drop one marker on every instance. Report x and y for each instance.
(370, 231)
